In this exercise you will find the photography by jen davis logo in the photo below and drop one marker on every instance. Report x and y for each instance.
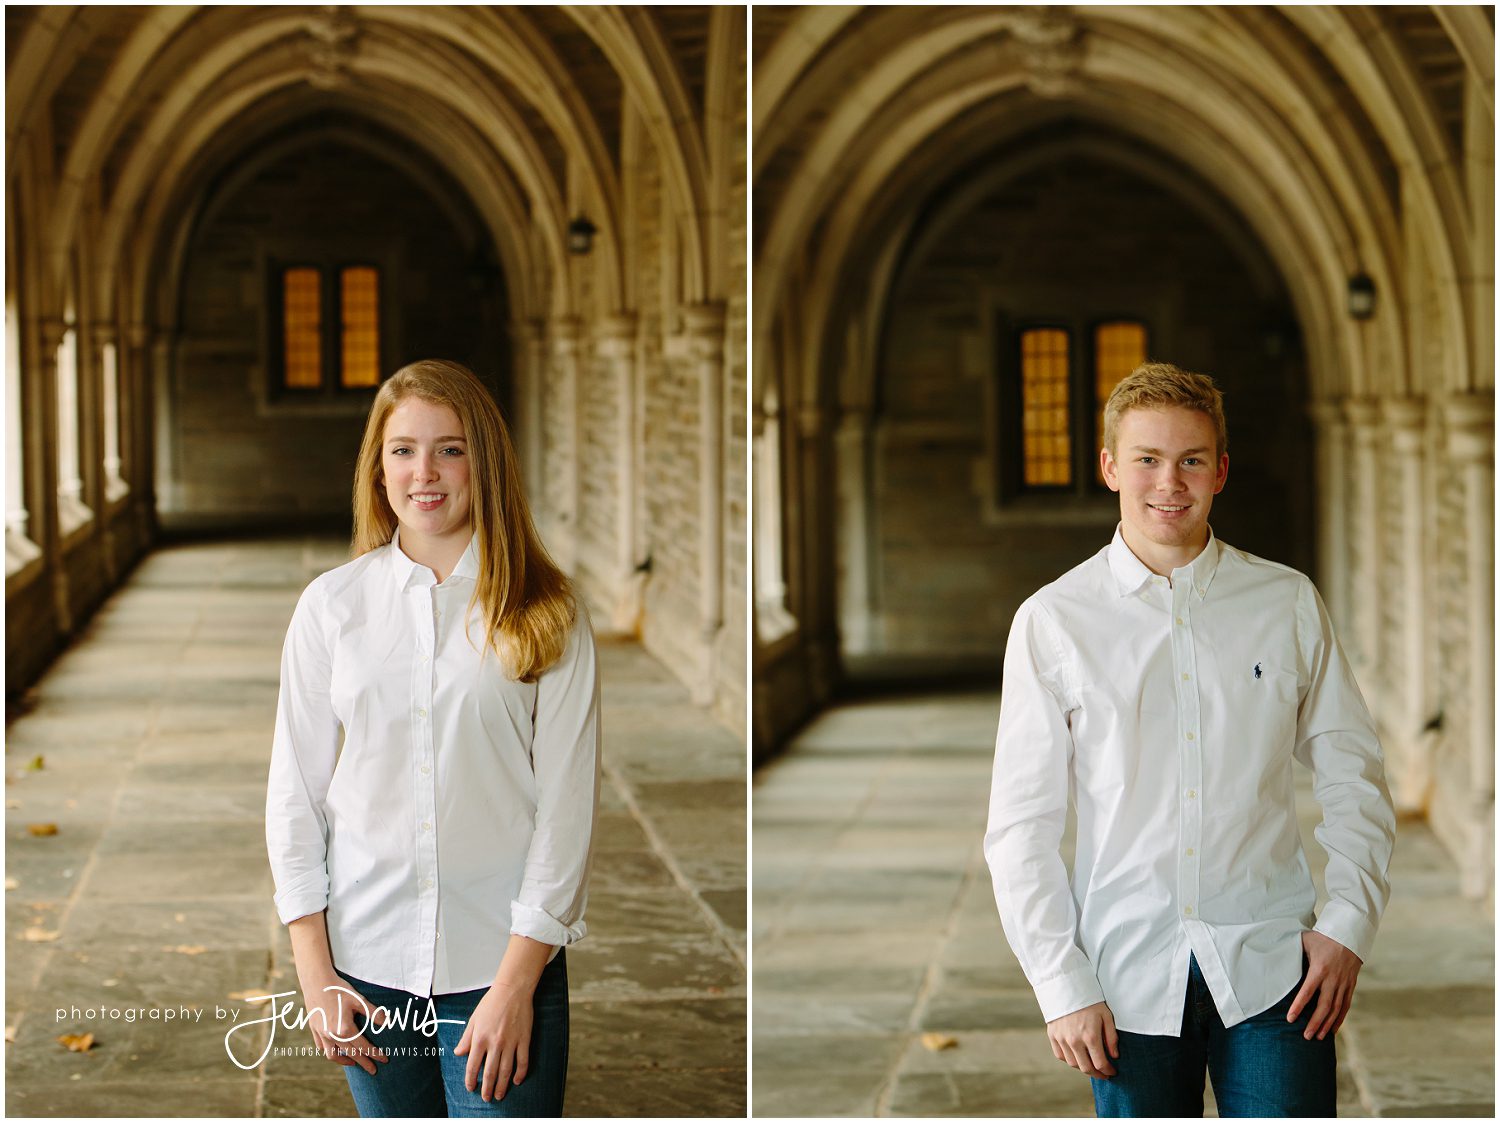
(426, 1020)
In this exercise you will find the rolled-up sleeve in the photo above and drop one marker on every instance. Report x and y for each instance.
(1336, 738)
(304, 750)
(1027, 817)
(565, 759)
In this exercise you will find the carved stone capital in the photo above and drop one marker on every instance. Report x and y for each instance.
(1327, 414)
(1470, 423)
(566, 333)
(1363, 415)
(138, 335)
(104, 331)
(1405, 419)
(616, 335)
(51, 331)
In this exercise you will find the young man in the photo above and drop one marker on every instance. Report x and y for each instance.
(1167, 684)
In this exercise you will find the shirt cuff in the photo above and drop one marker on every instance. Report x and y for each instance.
(1343, 922)
(542, 926)
(304, 896)
(1067, 993)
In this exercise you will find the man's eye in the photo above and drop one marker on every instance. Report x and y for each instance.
(1147, 459)
(1192, 460)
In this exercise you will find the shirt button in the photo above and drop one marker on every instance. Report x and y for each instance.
(425, 770)
(1189, 736)
(1179, 620)
(427, 883)
(1185, 676)
(1192, 794)
(421, 713)
(1188, 911)
(1189, 851)
(427, 826)
(424, 659)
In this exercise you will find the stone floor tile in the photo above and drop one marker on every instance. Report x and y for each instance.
(820, 1093)
(86, 1098)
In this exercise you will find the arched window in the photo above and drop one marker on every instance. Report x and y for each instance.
(330, 323)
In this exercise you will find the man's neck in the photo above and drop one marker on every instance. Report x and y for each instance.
(1162, 560)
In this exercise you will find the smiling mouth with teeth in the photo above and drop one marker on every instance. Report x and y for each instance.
(1165, 507)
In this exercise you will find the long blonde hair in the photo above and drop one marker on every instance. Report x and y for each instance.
(527, 601)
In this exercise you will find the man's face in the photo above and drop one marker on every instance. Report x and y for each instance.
(1166, 473)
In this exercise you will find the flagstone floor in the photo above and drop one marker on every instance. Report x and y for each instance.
(874, 923)
(152, 733)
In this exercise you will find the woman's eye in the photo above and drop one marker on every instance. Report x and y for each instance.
(454, 451)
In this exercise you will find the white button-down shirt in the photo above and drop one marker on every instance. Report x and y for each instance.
(460, 807)
(1172, 712)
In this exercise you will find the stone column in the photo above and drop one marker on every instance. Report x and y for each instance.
(852, 455)
(168, 484)
(1409, 752)
(50, 333)
(811, 522)
(617, 346)
(1333, 557)
(1471, 447)
(1363, 415)
(137, 398)
(105, 433)
(703, 326)
(526, 427)
(563, 461)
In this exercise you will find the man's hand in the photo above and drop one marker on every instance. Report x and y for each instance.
(1331, 973)
(1082, 1038)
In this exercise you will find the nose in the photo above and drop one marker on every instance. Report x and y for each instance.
(426, 468)
(1170, 478)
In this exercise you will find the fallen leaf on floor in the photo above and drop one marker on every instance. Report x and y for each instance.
(180, 917)
(187, 949)
(110, 983)
(936, 1042)
(70, 803)
(77, 1042)
(253, 997)
(12, 804)
(40, 830)
(39, 935)
(36, 763)
(11, 883)
(10, 1033)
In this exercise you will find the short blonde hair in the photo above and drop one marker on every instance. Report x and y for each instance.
(528, 603)
(1160, 386)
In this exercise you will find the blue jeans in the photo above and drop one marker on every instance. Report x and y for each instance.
(423, 1078)
(1260, 1067)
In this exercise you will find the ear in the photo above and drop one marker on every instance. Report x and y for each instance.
(1221, 477)
(1109, 470)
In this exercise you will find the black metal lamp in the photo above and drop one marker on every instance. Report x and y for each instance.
(581, 235)
(1361, 296)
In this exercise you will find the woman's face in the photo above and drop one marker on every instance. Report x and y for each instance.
(424, 461)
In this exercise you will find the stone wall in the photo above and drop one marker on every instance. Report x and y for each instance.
(1074, 243)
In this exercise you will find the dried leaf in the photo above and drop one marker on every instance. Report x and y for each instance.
(187, 949)
(253, 997)
(936, 1042)
(39, 935)
(180, 917)
(10, 1033)
(36, 763)
(70, 803)
(77, 1042)
(110, 983)
(12, 804)
(40, 830)
(11, 883)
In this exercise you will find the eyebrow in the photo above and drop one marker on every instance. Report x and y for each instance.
(1158, 452)
(413, 440)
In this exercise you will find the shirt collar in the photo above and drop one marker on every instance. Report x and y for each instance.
(407, 573)
(1131, 573)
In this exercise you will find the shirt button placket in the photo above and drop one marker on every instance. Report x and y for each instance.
(426, 840)
(1189, 747)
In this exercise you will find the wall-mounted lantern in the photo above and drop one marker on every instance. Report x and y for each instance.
(1361, 296)
(581, 235)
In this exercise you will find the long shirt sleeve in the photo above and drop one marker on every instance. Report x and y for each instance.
(304, 749)
(565, 758)
(1336, 739)
(1028, 813)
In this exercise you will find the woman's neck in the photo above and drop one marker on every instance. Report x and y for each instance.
(439, 553)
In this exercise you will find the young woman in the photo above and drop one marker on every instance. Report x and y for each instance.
(435, 772)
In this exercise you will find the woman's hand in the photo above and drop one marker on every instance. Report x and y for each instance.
(331, 1005)
(497, 1041)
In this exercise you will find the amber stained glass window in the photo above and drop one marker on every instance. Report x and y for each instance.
(1045, 446)
(301, 303)
(359, 287)
(1119, 348)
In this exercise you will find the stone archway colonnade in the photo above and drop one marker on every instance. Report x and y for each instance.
(1352, 141)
